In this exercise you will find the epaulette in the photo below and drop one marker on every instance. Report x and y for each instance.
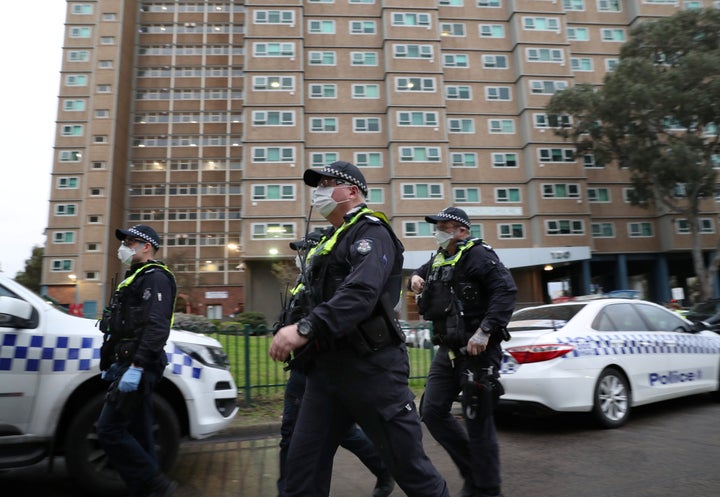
(373, 218)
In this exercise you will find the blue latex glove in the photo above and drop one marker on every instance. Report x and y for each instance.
(130, 380)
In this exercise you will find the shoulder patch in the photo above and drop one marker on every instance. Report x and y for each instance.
(364, 246)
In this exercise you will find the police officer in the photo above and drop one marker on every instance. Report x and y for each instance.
(469, 296)
(360, 367)
(136, 326)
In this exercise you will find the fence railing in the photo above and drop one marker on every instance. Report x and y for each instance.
(257, 375)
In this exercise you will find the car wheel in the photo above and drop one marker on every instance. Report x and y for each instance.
(611, 399)
(85, 458)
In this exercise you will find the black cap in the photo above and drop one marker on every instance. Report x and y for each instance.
(450, 214)
(311, 240)
(340, 170)
(141, 232)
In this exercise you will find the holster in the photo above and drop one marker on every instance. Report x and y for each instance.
(372, 335)
(123, 402)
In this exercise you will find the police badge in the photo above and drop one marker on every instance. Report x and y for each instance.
(363, 246)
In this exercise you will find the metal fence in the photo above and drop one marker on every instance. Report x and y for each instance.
(256, 375)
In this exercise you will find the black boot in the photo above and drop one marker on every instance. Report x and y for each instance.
(384, 486)
(468, 489)
(160, 486)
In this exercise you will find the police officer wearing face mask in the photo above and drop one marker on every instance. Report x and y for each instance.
(136, 325)
(469, 296)
(359, 370)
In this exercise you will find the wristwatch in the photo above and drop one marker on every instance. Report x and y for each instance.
(305, 329)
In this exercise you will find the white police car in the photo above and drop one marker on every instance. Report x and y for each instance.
(51, 392)
(605, 356)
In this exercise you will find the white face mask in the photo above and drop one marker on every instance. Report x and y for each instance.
(322, 200)
(125, 254)
(443, 238)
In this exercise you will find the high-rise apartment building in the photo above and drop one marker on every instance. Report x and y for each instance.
(199, 117)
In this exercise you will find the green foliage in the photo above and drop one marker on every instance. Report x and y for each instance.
(32, 275)
(193, 322)
(254, 319)
(657, 115)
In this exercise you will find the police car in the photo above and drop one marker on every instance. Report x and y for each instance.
(51, 392)
(604, 357)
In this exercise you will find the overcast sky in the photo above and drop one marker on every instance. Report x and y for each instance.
(30, 57)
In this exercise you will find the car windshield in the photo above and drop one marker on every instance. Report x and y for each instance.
(707, 307)
(535, 318)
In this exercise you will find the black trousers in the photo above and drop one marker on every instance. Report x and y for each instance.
(473, 448)
(373, 391)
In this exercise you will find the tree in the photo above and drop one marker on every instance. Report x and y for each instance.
(32, 275)
(657, 114)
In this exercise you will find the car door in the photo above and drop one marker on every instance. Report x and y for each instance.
(634, 346)
(692, 357)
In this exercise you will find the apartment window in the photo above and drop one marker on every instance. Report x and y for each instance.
(556, 155)
(581, 64)
(73, 105)
(272, 83)
(617, 35)
(417, 118)
(80, 32)
(365, 91)
(104, 88)
(321, 27)
(107, 40)
(609, 6)
(611, 64)
(489, 3)
(541, 24)
(72, 130)
(492, 31)
(466, 195)
(413, 51)
(574, 4)
(413, 229)
(100, 139)
(321, 159)
(640, 230)
(694, 5)
(273, 49)
(368, 159)
(323, 125)
(504, 160)
(109, 17)
(578, 34)
(98, 165)
(76, 80)
(61, 265)
(455, 60)
(105, 64)
(415, 84)
(603, 230)
(78, 56)
(65, 209)
(498, 93)
(274, 17)
(546, 87)
(273, 154)
(501, 126)
(561, 190)
(82, 9)
(421, 190)
(590, 162)
(555, 227)
(363, 59)
(544, 55)
(463, 159)
(95, 219)
(273, 118)
(419, 154)
(67, 182)
(69, 156)
(375, 196)
(96, 192)
(263, 231)
(92, 247)
(102, 113)
(511, 231)
(461, 126)
(92, 275)
(366, 124)
(411, 19)
(458, 92)
(64, 237)
(452, 29)
(321, 58)
(369, 2)
(682, 227)
(323, 91)
(598, 195)
(273, 192)
(363, 27)
(495, 61)
(451, 3)
(551, 121)
(506, 195)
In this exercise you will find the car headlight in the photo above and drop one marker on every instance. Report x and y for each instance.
(213, 357)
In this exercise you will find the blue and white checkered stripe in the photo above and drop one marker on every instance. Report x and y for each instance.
(71, 354)
(639, 344)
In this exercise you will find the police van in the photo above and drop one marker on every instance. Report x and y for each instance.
(51, 392)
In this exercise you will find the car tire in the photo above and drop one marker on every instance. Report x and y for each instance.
(611, 399)
(85, 458)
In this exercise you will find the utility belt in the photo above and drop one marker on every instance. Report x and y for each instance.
(371, 335)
